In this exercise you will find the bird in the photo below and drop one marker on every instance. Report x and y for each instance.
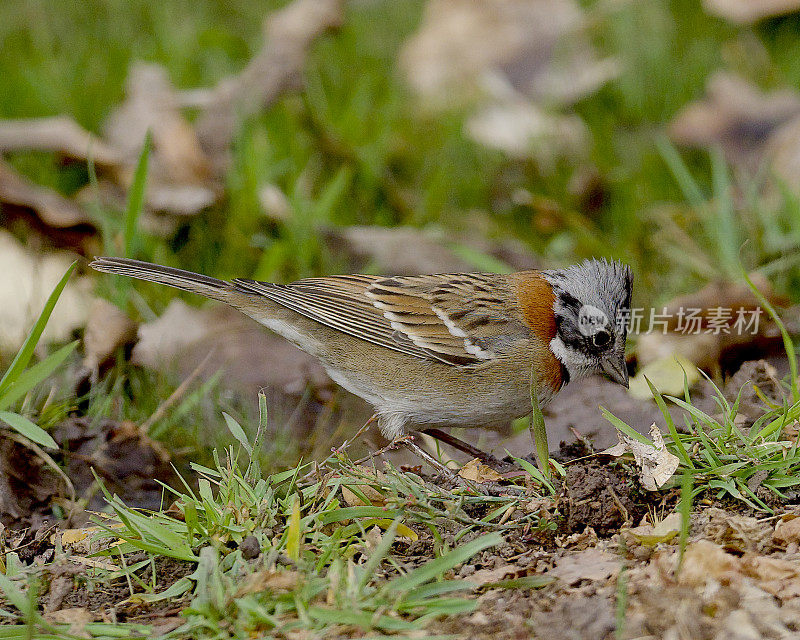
(438, 350)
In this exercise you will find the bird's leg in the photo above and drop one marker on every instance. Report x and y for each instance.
(485, 458)
(407, 440)
(361, 430)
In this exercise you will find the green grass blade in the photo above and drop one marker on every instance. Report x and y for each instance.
(625, 428)
(691, 190)
(788, 345)
(535, 474)
(28, 429)
(673, 431)
(435, 568)
(136, 194)
(36, 374)
(723, 227)
(237, 432)
(539, 430)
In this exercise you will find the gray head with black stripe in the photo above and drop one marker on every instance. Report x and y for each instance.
(592, 305)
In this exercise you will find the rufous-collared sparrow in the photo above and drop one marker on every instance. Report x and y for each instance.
(442, 350)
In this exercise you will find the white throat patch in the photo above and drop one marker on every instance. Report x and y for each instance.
(578, 364)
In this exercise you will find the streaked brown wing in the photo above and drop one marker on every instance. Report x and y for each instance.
(446, 317)
(339, 302)
(463, 316)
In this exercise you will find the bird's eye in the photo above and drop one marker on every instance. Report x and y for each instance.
(601, 338)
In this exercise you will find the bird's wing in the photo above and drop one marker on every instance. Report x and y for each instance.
(459, 319)
(465, 318)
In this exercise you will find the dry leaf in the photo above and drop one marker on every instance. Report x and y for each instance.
(409, 251)
(703, 561)
(260, 581)
(274, 202)
(85, 541)
(289, 32)
(400, 250)
(750, 11)
(107, 329)
(656, 464)
(251, 356)
(373, 496)
(521, 129)
(695, 339)
(476, 471)
(49, 206)
(752, 127)
(518, 56)
(76, 617)
(537, 45)
(578, 541)
(736, 532)
(787, 531)
(736, 115)
(648, 535)
(778, 576)
(591, 564)
(489, 576)
(26, 281)
(59, 134)
(373, 538)
(179, 175)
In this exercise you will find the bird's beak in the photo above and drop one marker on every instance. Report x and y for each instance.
(615, 368)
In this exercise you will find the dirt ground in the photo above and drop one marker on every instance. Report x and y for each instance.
(612, 552)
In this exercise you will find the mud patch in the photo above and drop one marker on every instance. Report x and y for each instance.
(600, 496)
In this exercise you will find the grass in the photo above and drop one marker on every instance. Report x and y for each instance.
(325, 563)
(723, 456)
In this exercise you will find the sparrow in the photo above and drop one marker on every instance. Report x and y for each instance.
(440, 350)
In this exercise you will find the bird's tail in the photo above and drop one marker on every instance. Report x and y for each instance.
(178, 278)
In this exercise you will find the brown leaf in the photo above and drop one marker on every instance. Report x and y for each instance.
(476, 471)
(753, 128)
(275, 581)
(737, 532)
(400, 250)
(736, 115)
(525, 59)
(648, 535)
(179, 175)
(52, 208)
(703, 561)
(289, 33)
(59, 134)
(107, 329)
(536, 45)
(76, 617)
(151, 104)
(750, 11)
(373, 496)
(591, 564)
(521, 129)
(697, 344)
(489, 576)
(787, 531)
(26, 280)
(252, 357)
(409, 251)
